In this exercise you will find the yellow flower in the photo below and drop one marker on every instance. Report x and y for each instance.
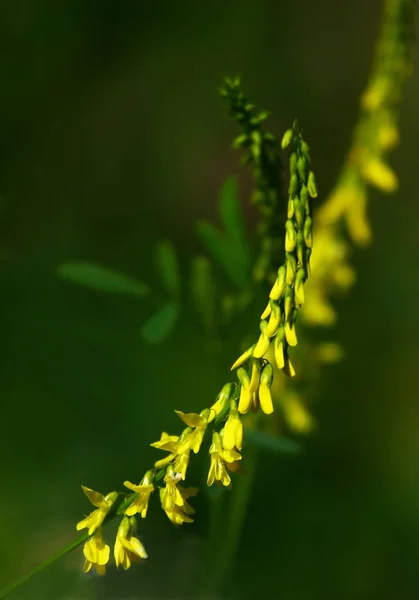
(180, 514)
(233, 429)
(171, 495)
(128, 549)
(167, 442)
(144, 490)
(378, 173)
(199, 424)
(104, 505)
(221, 459)
(96, 553)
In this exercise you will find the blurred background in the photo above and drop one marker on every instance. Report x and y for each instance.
(112, 138)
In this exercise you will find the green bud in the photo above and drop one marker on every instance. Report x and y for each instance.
(241, 141)
(243, 377)
(293, 163)
(290, 212)
(302, 168)
(299, 285)
(311, 184)
(267, 374)
(288, 301)
(299, 212)
(286, 139)
(305, 199)
(291, 267)
(290, 236)
(308, 232)
(305, 150)
(278, 287)
(293, 186)
(301, 246)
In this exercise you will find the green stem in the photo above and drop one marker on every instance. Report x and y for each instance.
(117, 510)
(38, 568)
(232, 531)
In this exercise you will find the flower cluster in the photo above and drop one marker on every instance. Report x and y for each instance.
(366, 165)
(287, 294)
(222, 420)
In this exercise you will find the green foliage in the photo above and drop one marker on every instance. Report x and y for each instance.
(203, 290)
(160, 324)
(101, 278)
(229, 249)
(168, 268)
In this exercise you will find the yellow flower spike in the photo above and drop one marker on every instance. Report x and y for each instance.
(266, 312)
(290, 334)
(274, 320)
(144, 491)
(279, 285)
(220, 403)
(128, 549)
(171, 495)
(265, 397)
(233, 429)
(378, 173)
(96, 554)
(104, 505)
(243, 358)
(279, 348)
(219, 457)
(167, 442)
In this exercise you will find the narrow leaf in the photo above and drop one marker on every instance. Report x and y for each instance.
(168, 267)
(160, 324)
(203, 290)
(229, 256)
(101, 278)
(277, 445)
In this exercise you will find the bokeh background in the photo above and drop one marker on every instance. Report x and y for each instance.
(113, 137)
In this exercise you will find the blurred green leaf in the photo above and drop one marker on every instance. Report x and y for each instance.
(158, 326)
(203, 290)
(229, 256)
(101, 278)
(168, 267)
(277, 445)
(229, 207)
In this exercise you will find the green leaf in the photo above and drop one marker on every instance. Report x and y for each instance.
(229, 207)
(277, 445)
(101, 278)
(227, 253)
(168, 267)
(158, 326)
(203, 292)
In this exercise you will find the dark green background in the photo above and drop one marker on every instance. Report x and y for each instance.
(112, 137)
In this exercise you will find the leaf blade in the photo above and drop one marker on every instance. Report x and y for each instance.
(102, 279)
(160, 324)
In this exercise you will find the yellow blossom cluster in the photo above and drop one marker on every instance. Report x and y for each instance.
(366, 165)
(286, 297)
(223, 418)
